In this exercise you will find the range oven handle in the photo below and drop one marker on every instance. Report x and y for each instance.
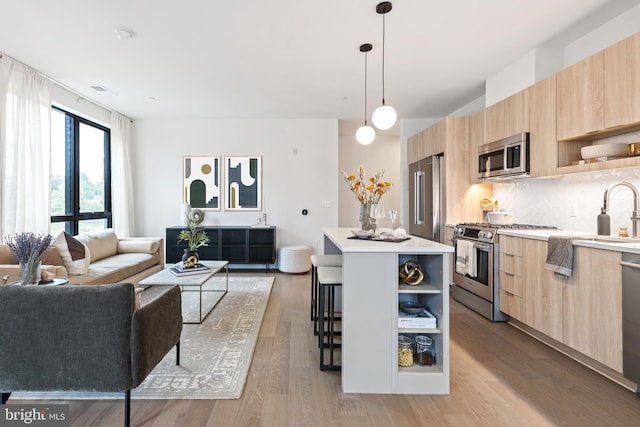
(482, 247)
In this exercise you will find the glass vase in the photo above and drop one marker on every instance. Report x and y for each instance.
(368, 223)
(30, 272)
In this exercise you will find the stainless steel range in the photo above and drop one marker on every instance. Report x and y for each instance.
(477, 265)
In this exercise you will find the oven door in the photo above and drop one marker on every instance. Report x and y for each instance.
(482, 283)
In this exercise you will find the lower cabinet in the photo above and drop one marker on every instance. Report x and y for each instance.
(592, 306)
(511, 281)
(238, 245)
(542, 291)
(583, 311)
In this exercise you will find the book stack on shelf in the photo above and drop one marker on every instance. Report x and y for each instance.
(181, 270)
(424, 319)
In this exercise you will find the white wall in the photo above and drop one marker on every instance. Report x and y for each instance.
(300, 171)
(530, 68)
(381, 154)
(610, 33)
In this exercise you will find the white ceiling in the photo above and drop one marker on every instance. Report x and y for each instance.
(285, 58)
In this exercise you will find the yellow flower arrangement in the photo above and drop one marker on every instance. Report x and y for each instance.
(367, 190)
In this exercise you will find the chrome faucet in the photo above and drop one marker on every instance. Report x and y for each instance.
(635, 219)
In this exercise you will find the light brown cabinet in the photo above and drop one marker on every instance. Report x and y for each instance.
(583, 311)
(580, 98)
(592, 306)
(622, 83)
(543, 148)
(507, 117)
(415, 148)
(476, 139)
(542, 292)
(598, 98)
(511, 280)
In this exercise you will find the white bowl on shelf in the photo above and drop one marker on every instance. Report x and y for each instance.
(604, 150)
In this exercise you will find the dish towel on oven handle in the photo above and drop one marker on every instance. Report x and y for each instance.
(466, 258)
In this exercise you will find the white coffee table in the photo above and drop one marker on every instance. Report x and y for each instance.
(191, 283)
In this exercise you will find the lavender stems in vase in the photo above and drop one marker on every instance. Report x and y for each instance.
(28, 248)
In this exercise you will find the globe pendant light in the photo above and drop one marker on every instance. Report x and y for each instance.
(384, 116)
(365, 134)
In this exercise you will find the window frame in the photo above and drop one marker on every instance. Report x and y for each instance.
(72, 175)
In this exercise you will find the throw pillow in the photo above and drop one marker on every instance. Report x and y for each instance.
(75, 254)
(126, 246)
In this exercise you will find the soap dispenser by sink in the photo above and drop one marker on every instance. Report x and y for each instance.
(604, 223)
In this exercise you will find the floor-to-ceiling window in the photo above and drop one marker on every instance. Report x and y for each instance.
(81, 174)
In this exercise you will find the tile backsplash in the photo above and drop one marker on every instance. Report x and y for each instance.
(572, 202)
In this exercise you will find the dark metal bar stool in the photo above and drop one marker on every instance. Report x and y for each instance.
(328, 279)
(320, 261)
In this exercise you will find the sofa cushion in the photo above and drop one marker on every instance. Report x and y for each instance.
(146, 246)
(101, 244)
(75, 255)
(116, 268)
(6, 256)
(50, 257)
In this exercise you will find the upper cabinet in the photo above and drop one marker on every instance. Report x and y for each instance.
(507, 117)
(580, 98)
(543, 150)
(596, 99)
(600, 93)
(622, 83)
(476, 139)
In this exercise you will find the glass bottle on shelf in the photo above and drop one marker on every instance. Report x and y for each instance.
(425, 353)
(405, 352)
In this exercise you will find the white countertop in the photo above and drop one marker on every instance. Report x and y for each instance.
(631, 246)
(339, 236)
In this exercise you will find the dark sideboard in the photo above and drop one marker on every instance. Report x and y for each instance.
(236, 244)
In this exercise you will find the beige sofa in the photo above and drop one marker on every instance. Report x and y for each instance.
(110, 259)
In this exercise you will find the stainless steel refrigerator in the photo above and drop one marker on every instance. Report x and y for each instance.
(426, 198)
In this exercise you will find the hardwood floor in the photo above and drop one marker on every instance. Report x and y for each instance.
(499, 377)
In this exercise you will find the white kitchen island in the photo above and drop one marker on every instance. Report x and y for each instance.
(370, 296)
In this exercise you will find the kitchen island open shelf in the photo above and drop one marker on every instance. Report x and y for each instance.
(371, 284)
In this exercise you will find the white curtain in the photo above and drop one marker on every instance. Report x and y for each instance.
(121, 176)
(25, 149)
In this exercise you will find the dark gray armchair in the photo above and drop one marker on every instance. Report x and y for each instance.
(84, 338)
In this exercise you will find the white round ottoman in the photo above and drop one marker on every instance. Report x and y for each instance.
(294, 259)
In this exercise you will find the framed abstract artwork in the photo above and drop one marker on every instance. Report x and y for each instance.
(201, 182)
(243, 183)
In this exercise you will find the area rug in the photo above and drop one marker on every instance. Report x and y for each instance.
(214, 357)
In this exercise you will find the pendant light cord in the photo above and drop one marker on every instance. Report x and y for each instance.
(383, 43)
(365, 88)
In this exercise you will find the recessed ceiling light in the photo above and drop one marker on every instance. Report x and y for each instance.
(124, 33)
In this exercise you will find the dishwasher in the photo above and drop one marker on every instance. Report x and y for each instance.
(631, 317)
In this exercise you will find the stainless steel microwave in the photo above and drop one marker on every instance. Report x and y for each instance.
(505, 159)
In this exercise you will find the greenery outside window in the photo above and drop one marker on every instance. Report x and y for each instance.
(81, 174)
